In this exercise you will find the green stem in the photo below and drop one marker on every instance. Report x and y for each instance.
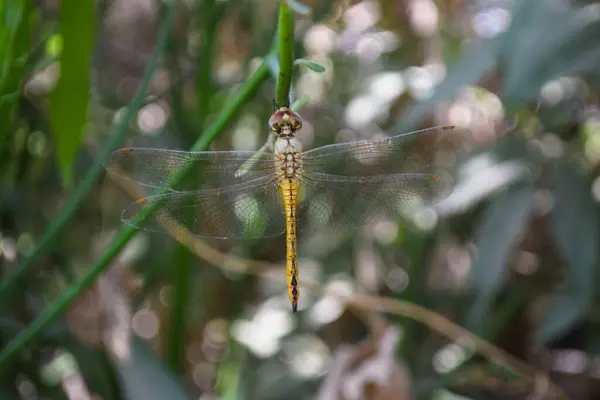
(212, 12)
(283, 84)
(286, 54)
(77, 198)
(180, 114)
(60, 305)
(180, 295)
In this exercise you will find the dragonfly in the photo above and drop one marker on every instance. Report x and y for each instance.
(331, 188)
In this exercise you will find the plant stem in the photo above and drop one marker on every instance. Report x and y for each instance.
(60, 305)
(282, 81)
(180, 296)
(77, 198)
(286, 54)
(212, 12)
(177, 76)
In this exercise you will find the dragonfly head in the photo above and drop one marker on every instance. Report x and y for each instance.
(285, 122)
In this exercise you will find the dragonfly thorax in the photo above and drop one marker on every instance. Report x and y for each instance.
(287, 145)
(288, 155)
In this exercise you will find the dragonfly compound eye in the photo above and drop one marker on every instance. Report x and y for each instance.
(285, 121)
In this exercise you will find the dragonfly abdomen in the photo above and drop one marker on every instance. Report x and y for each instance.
(289, 192)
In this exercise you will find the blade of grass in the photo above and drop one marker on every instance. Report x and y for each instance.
(180, 296)
(78, 197)
(60, 305)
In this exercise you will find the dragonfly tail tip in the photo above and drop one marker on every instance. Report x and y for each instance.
(294, 307)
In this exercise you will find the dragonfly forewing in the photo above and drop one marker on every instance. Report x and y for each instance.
(205, 169)
(250, 210)
(424, 151)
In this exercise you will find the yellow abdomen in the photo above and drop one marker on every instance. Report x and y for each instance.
(289, 192)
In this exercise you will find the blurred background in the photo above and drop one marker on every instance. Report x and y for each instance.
(511, 256)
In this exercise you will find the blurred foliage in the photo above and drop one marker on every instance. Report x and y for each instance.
(511, 255)
(69, 99)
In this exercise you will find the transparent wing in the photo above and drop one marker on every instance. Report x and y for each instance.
(331, 202)
(417, 152)
(207, 169)
(251, 210)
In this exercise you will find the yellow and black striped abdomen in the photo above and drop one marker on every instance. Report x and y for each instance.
(289, 192)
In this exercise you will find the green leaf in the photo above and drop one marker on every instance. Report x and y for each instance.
(564, 311)
(298, 104)
(69, 101)
(310, 65)
(574, 222)
(298, 7)
(498, 235)
(575, 219)
(9, 98)
(551, 53)
(11, 17)
(16, 24)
